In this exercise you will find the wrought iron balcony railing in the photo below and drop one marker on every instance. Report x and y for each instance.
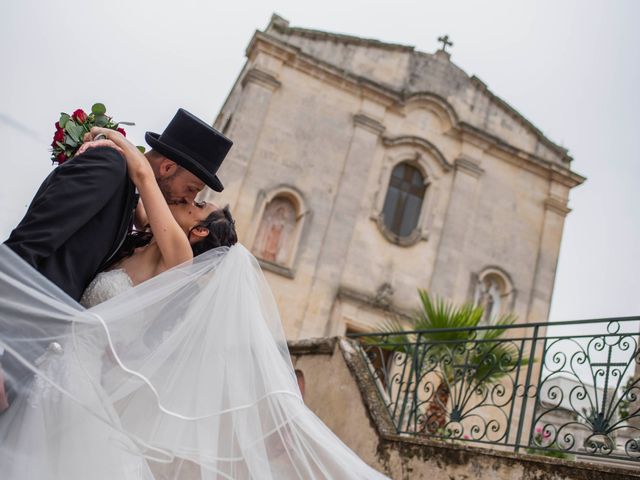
(556, 389)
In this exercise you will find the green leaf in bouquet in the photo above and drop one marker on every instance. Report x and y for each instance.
(60, 145)
(141, 148)
(102, 120)
(64, 118)
(69, 127)
(78, 134)
(98, 109)
(75, 131)
(71, 142)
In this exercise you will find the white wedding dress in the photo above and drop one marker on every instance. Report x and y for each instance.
(52, 437)
(186, 376)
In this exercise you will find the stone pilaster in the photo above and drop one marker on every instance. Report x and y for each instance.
(344, 214)
(257, 86)
(555, 211)
(460, 211)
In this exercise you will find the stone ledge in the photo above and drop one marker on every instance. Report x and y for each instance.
(275, 268)
(311, 346)
(538, 467)
(374, 405)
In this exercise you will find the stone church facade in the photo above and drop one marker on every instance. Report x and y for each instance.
(363, 170)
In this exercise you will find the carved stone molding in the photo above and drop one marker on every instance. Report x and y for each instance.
(370, 301)
(556, 205)
(368, 123)
(419, 142)
(418, 234)
(434, 103)
(260, 77)
(468, 166)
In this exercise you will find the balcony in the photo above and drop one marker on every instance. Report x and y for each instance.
(566, 389)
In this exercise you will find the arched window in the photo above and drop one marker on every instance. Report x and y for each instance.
(403, 202)
(493, 293)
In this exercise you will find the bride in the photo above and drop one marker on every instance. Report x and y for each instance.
(175, 366)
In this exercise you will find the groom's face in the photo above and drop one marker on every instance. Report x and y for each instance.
(178, 185)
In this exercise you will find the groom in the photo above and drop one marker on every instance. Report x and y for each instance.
(84, 209)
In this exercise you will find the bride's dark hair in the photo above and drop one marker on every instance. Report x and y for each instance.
(222, 233)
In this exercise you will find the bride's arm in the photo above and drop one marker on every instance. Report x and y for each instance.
(173, 243)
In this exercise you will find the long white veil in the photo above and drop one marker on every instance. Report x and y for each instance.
(186, 375)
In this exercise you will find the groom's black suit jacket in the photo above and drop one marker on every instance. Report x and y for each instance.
(78, 219)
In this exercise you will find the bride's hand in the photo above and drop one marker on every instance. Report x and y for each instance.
(137, 164)
(97, 143)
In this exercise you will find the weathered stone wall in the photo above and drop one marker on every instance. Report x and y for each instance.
(337, 389)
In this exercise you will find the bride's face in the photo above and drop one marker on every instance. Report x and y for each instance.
(189, 215)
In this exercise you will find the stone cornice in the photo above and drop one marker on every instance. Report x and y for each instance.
(469, 166)
(421, 142)
(543, 167)
(260, 77)
(513, 113)
(368, 123)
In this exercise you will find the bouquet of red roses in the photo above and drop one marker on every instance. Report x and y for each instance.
(70, 130)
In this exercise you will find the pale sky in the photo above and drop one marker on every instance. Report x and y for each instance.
(570, 67)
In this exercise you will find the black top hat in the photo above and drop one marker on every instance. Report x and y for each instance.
(194, 145)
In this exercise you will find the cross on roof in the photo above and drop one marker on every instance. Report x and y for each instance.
(445, 42)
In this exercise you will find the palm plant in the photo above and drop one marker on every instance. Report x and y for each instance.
(444, 339)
